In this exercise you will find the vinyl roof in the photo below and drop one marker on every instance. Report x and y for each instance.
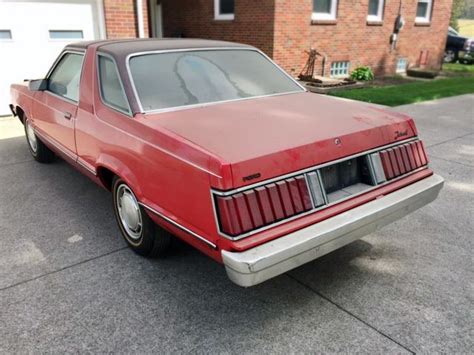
(120, 49)
(124, 47)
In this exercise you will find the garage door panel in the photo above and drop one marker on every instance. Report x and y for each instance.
(40, 30)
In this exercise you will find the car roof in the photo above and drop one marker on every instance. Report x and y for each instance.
(123, 47)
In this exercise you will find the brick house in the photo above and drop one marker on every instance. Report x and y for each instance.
(347, 33)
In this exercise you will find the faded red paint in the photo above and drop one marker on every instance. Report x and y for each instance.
(173, 160)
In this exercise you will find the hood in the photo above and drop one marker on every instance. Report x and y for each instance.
(265, 137)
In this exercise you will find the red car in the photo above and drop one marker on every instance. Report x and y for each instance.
(213, 143)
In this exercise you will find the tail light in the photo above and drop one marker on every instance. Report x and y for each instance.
(254, 208)
(242, 212)
(403, 159)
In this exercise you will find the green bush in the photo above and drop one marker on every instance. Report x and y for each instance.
(362, 74)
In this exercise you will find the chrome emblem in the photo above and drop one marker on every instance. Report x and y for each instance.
(337, 141)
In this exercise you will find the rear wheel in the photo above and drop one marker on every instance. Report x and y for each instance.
(450, 56)
(137, 228)
(38, 149)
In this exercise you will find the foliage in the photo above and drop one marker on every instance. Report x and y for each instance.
(362, 74)
(456, 12)
(403, 94)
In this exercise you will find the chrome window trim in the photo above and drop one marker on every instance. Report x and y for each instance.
(53, 67)
(327, 204)
(102, 100)
(177, 108)
(176, 224)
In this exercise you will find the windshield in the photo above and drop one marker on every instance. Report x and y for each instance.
(175, 79)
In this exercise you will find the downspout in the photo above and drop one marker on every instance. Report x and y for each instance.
(141, 32)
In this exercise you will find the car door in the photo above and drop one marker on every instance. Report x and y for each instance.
(54, 110)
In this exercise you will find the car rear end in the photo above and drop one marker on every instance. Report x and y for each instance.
(276, 225)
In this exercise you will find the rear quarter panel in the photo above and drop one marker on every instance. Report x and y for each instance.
(152, 163)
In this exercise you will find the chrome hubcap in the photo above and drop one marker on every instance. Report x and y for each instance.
(129, 212)
(31, 137)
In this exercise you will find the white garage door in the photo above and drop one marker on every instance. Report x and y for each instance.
(32, 33)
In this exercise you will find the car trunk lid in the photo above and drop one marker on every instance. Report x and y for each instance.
(266, 137)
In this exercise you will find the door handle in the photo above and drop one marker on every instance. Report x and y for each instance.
(67, 115)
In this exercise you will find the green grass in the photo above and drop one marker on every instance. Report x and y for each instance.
(395, 95)
(458, 68)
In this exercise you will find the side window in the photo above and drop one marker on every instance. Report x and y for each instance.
(65, 78)
(111, 88)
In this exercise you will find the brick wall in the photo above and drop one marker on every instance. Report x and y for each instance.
(283, 29)
(121, 19)
(350, 37)
(253, 22)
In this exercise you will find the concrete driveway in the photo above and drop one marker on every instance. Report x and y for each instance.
(68, 283)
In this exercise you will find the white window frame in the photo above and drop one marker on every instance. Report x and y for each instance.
(398, 70)
(217, 12)
(427, 18)
(325, 16)
(379, 16)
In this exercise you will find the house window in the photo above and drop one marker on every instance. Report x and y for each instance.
(5, 35)
(423, 11)
(224, 9)
(375, 10)
(402, 64)
(339, 69)
(65, 34)
(324, 9)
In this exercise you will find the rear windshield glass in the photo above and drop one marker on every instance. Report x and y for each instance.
(165, 80)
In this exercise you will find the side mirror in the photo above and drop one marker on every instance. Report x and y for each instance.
(38, 85)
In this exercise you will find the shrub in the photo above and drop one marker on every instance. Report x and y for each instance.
(362, 74)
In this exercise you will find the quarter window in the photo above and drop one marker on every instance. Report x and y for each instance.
(324, 9)
(375, 12)
(339, 69)
(111, 88)
(65, 78)
(224, 9)
(423, 11)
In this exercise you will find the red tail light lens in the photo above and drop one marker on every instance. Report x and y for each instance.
(255, 208)
(402, 159)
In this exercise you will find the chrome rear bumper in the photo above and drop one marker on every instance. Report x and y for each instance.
(261, 263)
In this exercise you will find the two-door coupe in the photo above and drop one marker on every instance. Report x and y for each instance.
(213, 143)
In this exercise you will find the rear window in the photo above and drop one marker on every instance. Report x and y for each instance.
(176, 79)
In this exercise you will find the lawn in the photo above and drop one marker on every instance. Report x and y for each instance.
(406, 93)
(457, 68)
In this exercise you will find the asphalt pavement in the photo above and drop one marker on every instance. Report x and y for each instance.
(68, 283)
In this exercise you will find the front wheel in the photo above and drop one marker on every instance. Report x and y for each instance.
(137, 228)
(40, 152)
